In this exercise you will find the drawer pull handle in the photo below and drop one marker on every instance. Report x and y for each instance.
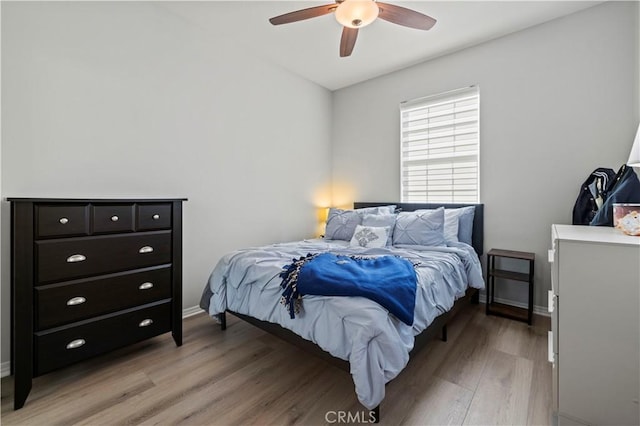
(145, 249)
(76, 258)
(145, 323)
(145, 286)
(76, 301)
(74, 344)
(64, 220)
(156, 216)
(114, 218)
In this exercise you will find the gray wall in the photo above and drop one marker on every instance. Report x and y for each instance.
(124, 99)
(117, 99)
(557, 101)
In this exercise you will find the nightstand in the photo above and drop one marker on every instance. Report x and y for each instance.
(500, 309)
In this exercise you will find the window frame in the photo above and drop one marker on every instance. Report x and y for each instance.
(430, 101)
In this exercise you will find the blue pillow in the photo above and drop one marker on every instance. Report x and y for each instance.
(381, 220)
(341, 224)
(465, 223)
(424, 228)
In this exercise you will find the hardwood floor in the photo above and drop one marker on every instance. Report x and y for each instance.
(491, 371)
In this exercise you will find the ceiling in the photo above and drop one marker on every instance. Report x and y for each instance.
(310, 48)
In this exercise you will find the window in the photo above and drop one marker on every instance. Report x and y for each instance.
(440, 148)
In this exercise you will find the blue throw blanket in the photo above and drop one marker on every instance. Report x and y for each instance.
(387, 280)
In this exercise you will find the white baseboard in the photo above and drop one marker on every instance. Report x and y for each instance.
(5, 367)
(189, 312)
(538, 310)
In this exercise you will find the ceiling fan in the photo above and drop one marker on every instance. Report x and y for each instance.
(355, 14)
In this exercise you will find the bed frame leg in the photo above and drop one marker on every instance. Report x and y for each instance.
(475, 298)
(376, 414)
(222, 317)
(444, 333)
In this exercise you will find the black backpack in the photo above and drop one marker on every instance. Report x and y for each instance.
(594, 188)
(623, 188)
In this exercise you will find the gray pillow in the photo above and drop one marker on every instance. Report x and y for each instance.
(341, 224)
(424, 228)
(381, 220)
(458, 224)
(450, 225)
(390, 209)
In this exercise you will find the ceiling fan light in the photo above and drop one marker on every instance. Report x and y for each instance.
(357, 13)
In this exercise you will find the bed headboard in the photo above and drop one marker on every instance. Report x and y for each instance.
(477, 238)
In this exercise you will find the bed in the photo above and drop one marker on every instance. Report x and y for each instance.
(355, 333)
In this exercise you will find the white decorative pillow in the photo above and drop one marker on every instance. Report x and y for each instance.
(370, 236)
(381, 220)
(451, 225)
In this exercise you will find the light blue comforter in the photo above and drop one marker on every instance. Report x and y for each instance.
(355, 329)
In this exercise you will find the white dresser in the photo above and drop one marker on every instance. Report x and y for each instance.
(595, 339)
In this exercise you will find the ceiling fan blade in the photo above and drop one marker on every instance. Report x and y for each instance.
(348, 40)
(300, 15)
(405, 17)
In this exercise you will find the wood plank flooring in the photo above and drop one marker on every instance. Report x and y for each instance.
(491, 371)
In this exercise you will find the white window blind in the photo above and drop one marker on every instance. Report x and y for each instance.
(440, 148)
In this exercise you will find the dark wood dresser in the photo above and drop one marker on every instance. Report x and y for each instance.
(89, 276)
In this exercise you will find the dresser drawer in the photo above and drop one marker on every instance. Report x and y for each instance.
(59, 259)
(112, 218)
(153, 216)
(63, 220)
(63, 303)
(69, 344)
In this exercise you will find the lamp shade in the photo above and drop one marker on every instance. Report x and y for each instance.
(323, 214)
(357, 13)
(634, 157)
